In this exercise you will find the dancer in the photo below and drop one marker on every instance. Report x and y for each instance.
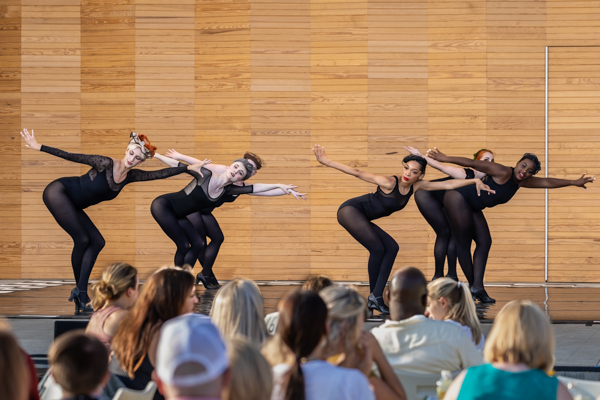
(465, 214)
(205, 222)
(356, 214)
(205, 191)
(67, 197)
(431, 206)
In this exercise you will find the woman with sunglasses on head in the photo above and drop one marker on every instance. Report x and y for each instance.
(392, 194)
(464, 208)
(431, 206)
(205, 222)
(68, 197)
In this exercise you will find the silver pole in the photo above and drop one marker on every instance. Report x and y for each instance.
(546, 174)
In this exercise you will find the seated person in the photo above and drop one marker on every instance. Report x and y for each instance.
(14, 370)
(414, 343)
(79, 365)
(519, 351)
(251, 375)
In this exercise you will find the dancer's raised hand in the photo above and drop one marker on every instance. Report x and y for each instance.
(581, 182)
(437, 155)
(319, 152)
(298, 195)
(30, 141)
(175, 155)
(198, 166)
(413, 151)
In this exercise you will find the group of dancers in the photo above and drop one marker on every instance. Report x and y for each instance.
(452, 206)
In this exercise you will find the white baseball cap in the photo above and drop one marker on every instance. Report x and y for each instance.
(190, 351)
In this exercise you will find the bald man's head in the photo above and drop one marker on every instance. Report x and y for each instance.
(408, 293)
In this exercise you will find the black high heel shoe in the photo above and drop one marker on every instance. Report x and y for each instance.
(213, 281)
(205, 281)
(482, 296)
(80, 304)
(373, 304)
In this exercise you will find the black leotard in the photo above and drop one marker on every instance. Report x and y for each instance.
(503, 194)
(98, 184)
(378, 205)
(439, 194)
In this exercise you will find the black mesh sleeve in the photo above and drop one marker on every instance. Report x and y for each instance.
(236, 190)
(138, 175)
(96, 161)
(470, 173)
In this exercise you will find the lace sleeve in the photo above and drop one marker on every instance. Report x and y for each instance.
(470, 174)
(138, 175)
(96, 161)
(235, 190)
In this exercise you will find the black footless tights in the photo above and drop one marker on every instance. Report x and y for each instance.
(445, 245)
(469, 225)
(207, 226)
(179, 230)
(381, 246)
(87, 240)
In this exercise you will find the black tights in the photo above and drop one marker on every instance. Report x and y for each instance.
(445, 244)
(180, 230)
(381, 246)
(87, 239)
(468, 225)
(207, 226)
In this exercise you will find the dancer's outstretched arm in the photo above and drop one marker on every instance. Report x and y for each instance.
(217, 168)
(385, 182)
(502, 172)
(279, 192)
(453, 184)
(455, 172)
(552, 183)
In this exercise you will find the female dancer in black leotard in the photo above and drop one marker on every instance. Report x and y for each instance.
(356, 214)
(205, 191)
(431, 206)
(204, 221)
(66, 198)
(464, 208)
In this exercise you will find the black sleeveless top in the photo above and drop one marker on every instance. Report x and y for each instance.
(98, 184)
(439, 194)
(503, 194)
(378, 205)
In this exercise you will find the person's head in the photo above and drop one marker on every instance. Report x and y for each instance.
(346, 315)
(414, 168)
(238, 309)
(13, 367)
(316, 283)
(521, 334)
(138, 150)
(448, 299)
(191, 358)
(484, 155)
(240, 170)
(528, 166)
(255, 161)
(79, 363)
(303, 327)
(407, 294)
(251, 376)
(167, 293)
(118, 281)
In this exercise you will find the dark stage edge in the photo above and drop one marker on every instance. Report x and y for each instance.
(563, 303)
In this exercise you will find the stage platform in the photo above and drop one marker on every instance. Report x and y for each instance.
(33, 307)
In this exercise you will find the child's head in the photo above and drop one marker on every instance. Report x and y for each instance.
(79, 363)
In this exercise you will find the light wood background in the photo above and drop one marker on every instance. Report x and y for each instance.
(214, 78)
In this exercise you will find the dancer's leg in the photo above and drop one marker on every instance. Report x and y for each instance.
(483, 239)
(165, 216)
(433, 212)
(196, 220)
(387, 262)
(460, 215)
(214, 232)
(451, 255)
(361, 229)
(96, 244)
(196, 241)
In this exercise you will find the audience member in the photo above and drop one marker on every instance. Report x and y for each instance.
(251, 376)
(238, 310)
(191, 359)
(519, 352)
(414, 343)
(16, 378)
(314, 283)
(346, 338)
(303, 328)
(79, 365)
(167, 293)
(114, 294)
(448, 300)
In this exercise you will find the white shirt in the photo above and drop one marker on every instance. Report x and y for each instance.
(468, 331)
(324, 381)
(422, 345)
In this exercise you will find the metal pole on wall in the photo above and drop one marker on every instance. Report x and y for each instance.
(546, 174)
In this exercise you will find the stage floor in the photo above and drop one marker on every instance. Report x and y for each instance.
(564, 303)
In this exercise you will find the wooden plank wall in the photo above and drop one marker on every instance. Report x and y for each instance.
(214, 78)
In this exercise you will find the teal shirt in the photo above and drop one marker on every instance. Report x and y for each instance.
(487, 382)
